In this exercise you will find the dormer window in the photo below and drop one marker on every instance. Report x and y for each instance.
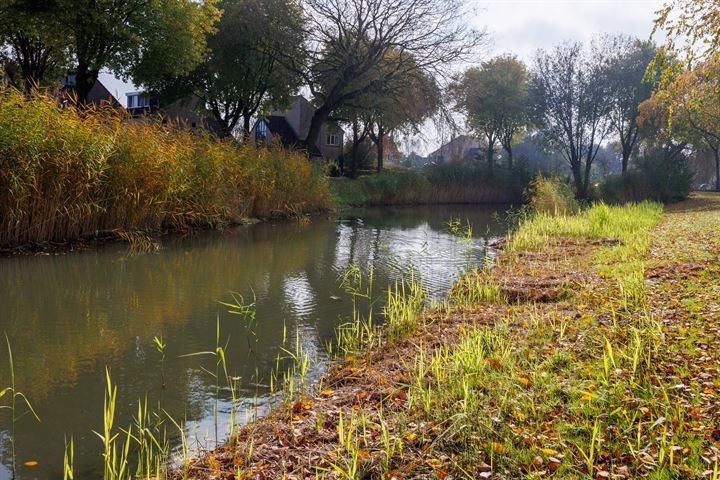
(333, 139)
(137, 100)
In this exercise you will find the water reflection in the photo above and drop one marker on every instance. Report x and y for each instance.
(69, 316)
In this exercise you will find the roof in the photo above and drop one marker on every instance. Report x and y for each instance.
(278, 125)
(98, 93)
(462, 147)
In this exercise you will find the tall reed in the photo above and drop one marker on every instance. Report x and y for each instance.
(66, 174)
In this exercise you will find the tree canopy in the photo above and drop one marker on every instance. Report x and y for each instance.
(240, 75)
(629, 86)
(494, 100)
(145, 40)
(357, 47)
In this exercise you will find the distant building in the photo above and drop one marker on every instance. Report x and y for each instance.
(460, 148)
(188, 111)
(290, 128)
(99, 94)
(414, 160)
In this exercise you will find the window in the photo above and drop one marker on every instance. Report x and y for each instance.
(333, 139)
(136, 100)
(260, 130)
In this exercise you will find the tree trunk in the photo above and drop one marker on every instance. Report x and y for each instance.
(380, 148)
(85, 78)
(354, 159)
(246, 127)
(508, 149)
(626, 151)
(489, 155)
(580, 192)
(318, 119)
(586, 180)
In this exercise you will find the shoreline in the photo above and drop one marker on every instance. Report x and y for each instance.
(156, 236)
(531, 396)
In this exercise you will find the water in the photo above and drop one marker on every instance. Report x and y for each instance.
(68, 317)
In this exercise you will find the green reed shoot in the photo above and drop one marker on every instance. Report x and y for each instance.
(115, 454)
(240, 307)
(160, 347)
(183, 443)
(14, 394)
(69, 460)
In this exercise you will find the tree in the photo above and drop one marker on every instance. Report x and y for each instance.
(399, 105)
(145, 40)
(629, 59)
(35, 42)
(240, 74)
(348, 47)
(692, 30)
(494, 101)
(570, 100)
(402, 107)
(689, 108)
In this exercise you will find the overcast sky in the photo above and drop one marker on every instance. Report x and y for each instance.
(523, 26)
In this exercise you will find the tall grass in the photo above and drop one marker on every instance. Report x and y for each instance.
(66, 174)
(629, 223)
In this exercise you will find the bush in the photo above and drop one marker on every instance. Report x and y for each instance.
(657, 176)
(551, 196)
(66, 174)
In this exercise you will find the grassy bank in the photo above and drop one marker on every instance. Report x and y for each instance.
(435, 184)
(588, 351)
(67, 174)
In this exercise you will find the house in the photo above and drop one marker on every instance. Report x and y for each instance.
(460, 148)
(290, 128)
(188, 111)
(99, 94)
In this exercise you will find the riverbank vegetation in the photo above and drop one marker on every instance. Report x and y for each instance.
(454, 182)
(66, 174)
(582, 353)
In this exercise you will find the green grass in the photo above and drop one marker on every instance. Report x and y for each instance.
(628, 223)
(573, 390)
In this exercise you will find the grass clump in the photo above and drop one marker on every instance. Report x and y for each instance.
(551, 196)
(67, 173)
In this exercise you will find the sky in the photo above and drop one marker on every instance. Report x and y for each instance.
(523, 26)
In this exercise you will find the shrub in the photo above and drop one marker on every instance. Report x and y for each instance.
(551, 196)
(657, 176)
(66, 174)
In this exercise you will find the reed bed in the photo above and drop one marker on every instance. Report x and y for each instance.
(436, 184)
(66, 174)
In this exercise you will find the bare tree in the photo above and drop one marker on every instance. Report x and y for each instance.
(571, 101)
(355, 47)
